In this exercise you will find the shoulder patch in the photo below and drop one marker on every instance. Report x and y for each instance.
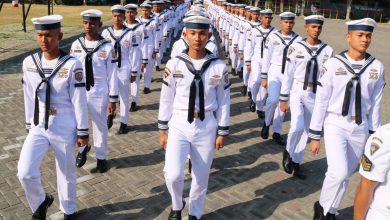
(78, 75)
(366, 163)
(290, 50)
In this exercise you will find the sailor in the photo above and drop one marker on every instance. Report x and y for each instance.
(195, 86)
(348, 106)
(299, 86)
(159, 16)
(272, 70)
(56, 114)
(122, 40)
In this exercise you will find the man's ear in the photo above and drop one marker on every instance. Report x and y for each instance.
(60, 35)
(100, 24)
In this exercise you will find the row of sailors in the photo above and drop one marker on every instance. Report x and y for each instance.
(285, 68)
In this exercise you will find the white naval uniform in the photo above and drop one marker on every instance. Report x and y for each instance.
(239, 40)
(160, 30)
(196, 139)
(301, 97)
(151, 44)
(344, 138)
(67, 119)
(257, 49)
(271, 69)
(139, 54)
(125, 38)
(234, 33)
(375, 166)
(105, 87)
(246, 48)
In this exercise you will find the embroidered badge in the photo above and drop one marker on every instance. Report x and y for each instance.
(133, 39)
(291, 50)
(276, 43)
(78, 75)
(373, 74)
(366, 163)
(63, 73)
(102, 54)
(138, 33)
(167, 72)
(341, 71)
(32, 68)
(374, 148)
(377, 139)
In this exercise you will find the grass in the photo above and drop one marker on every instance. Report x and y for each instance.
(71, 14)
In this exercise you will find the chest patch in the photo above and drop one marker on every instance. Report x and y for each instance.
(63, 73)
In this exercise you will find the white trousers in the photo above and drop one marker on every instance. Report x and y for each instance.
(272, 104)
(135, 88)
(344, 145)
(301, 108)
(61, 138)
(197, 140)
(160, 54)
(124, 92)
(259, 93)
(148, 70)
(97, 107)
(233, 57)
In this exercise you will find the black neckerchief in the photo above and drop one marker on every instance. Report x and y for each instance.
(117, 45)
(36, 57)
(348, 89)
(198, 77)
(88, 60)
(313, 61)
(287, 45)
(264, 36)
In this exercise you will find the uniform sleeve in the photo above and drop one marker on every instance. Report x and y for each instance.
(236, 37)
(241, 41)
(167, 97)
(288, 76)
(144, 46)
(72, 49)
(78, 96)
(112, 77)
(165, 27)
(374, 116)
(249, 46)
(223, 99)
(267, 55)
(28, 93)
(157, 36)
(375, 160)
(324, 92)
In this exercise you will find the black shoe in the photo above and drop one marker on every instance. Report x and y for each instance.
(297, 171)
(133, 107)
(318, 211)
(70, 217)
(244, 89)
(249, 95)
(191, 217)
(189, 166)
(158, 68)
(260, 114)
(330, 216)
(122, 129)
(240, 74)
(278, 139)
(252, 106)
(233, 72)
(265, 131)
(81, 157)
(176, 215)
(287, 162)
(146, 90)
(40, 213)
(229, 62)
(110, 120)
(101, 166)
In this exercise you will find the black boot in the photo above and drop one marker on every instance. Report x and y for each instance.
(287, 162)
(189, 166)
(318, 212)
(244, 89)
(191, 217)
(260, 114)
(233, 72)
(146, 90)
(330, 216)
(81, 157)
(110, 120)
(252, 106)
(240, 74)
(122, 129)
(265, 131)
(40, 213)
(70, 217)
(249, 95)
(158, 68)
(176, 215)
(101, 166)
(297, 171)
(278, 139)
(133, 107)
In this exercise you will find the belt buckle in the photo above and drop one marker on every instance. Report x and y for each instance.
(196, 114)
(52, 111)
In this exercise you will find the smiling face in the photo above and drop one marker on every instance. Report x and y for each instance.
(359, 40)
(49, 40)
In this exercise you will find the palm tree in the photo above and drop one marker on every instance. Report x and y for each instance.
(349, 6)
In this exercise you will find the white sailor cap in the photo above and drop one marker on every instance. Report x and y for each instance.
(131, 7)
(314, 19)
(365, 24)
(248, 7)
(118, 9)
(156, 2)
(197, 22)
(255, 9)
(195, 12)
(167, 1)
(266, 12)
(287, 16)
(91, 15)
(145, 5)
(240, 5)
(48, 22)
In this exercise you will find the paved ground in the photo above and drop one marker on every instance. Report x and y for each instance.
(246, 180)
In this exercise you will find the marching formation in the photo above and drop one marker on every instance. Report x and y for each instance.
(334, 96)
